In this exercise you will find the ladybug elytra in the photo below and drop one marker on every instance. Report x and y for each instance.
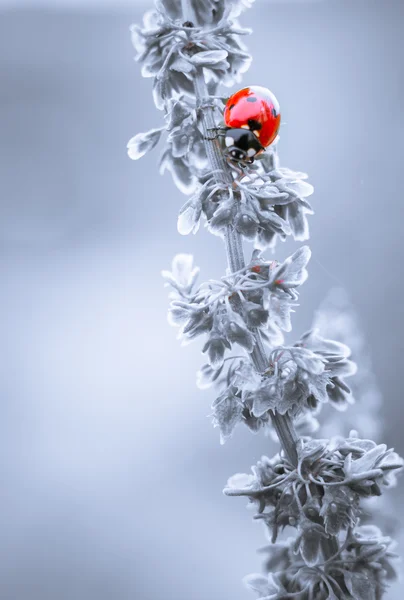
(252, 118)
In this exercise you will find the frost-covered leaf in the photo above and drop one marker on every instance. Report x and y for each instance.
(206, 376)
(307, 360)
(340, 509)
(189, 218)
(198, 323)
(277, 556)
(264, 586)
(255, 315)
(215, 348)
(360, 584)
(180, 171)
(365, 464)
(314, 341)
(308, 542)
(227, 413)
(139, 145)
(159, 93)
(208, 58)
(180, 143)
(267, 194)
(178, 113)
(183, 269)
(241, 481)
(389, 464)
(177, 315)
(292, 272)
(223, 215)
(238, 6)
(183, 274)
(280, 309)
(266, 397)
(237, 333)
(301, 188)
(181, 65)
(247, 223)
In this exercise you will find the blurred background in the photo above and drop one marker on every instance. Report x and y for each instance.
(111, 473)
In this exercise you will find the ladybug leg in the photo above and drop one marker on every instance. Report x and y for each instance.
(205, 104)
(235, 167)
(214, 137)
(218, 132)
(223, 99)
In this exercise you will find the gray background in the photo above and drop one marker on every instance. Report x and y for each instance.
(111, 474)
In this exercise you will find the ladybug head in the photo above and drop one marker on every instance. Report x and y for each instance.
(242, 145)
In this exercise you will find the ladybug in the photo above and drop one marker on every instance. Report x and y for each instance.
(252, 118)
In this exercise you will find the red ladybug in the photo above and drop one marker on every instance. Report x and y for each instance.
(252, 117)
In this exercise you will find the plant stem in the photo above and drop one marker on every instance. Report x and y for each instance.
(330, 547)
(282, 424)
(188, 13)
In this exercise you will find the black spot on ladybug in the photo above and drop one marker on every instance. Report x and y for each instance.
(254, 125)
(251, 99)
(232, 106)
(273, 111)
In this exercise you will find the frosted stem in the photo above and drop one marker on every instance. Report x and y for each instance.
(282, 424)
(188, 13)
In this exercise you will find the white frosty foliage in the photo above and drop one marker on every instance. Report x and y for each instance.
(268, 202)
(314, 486)
(231, 310)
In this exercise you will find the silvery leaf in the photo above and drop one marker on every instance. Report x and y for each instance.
(223, 215)
(298, 221)
(309, 541)
(340, 509)
(172, 8)
(152, 65)
(178, 113)
(246, 223)
(359, 585)
(302, 188)
(238, 6)
(159, 93)
(227, 413)
(177, 315)
(184, 271)
(292, 272)
(206, 376)
(366, 463)
(279, 311)
(241, 481)
(313, 340)
(255, 315)
(139, 145)
(181, 174)
(264, 586)
(182, 66)
(208, 58)
(237, 333)
(265, 397)
(189, 217)
(180, 143)
(198, 323)
(269, 195)
(215, 348)
(307, 360)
